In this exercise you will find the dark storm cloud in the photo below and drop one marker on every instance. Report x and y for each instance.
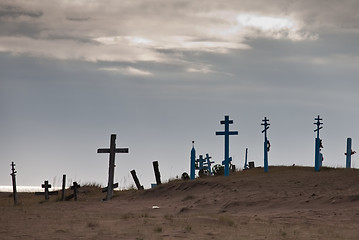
(12, 11)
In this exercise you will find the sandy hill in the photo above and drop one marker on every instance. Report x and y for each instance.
(285, 203)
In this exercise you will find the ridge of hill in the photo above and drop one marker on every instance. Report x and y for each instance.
(285, 203)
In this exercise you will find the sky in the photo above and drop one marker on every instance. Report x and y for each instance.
(161, 74)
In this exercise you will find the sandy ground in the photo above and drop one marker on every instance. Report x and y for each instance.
(285, 203)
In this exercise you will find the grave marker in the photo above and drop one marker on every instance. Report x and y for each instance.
(47, 193)
(75, 186)
(200, 161)
(63, 187)
(157, 172)
(246, 160)
(266, 143)
(13, 176)
(111, 169)
(226, 134)
(193, 162)
(135, 178)
(318, 156)
(209, 163)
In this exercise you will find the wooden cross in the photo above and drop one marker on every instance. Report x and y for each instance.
(226, 134)
(13, 176)
(46, 186)
(75, 187)
(111, 170)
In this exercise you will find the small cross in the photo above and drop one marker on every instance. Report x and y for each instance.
(209, 162)
(75, 187)
(46, 185)
(318, 123)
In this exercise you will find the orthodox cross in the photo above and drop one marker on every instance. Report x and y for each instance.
(13, 176)
(318, 156)
(266, 145)
(226, 134)
(111, 170)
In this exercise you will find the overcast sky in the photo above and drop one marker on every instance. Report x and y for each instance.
(160, 74)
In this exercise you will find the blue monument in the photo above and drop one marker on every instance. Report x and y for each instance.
(266, 143)
(226, 134)
(246, 160)
(193, 162)
(209, 162)
(318, 157)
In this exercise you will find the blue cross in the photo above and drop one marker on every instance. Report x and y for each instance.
(209, 162)
(226, 134)
(318, 155)
(266, 126)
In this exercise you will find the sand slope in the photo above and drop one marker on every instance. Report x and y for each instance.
(285, 203)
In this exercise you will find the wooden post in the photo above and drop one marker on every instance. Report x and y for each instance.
(75, 186)
(226, 134)
(111, 169)
(135, 178)
(13, 175)
(63, 187)
(157, 172)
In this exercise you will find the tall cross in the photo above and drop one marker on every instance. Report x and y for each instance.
(317, 156)
(266, 126)
(226, 134)
(111, 170)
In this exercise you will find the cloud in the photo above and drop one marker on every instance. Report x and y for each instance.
(127, 71)
(13, 11)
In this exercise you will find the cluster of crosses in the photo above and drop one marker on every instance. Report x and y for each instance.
(202, 164)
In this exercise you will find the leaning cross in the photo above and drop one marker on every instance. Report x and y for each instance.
(226, 134)
(209, 162)
(111, 171)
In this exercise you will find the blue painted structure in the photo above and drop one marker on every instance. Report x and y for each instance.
(193, 162)
(349, 153)
(209, 162)
(318, 157)
(226, 134)
(246, 160)
(266, 126)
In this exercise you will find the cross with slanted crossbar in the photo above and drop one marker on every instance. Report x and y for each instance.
(226, 134)
(111, 171)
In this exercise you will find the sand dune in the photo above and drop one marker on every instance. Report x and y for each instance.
(285, 203)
